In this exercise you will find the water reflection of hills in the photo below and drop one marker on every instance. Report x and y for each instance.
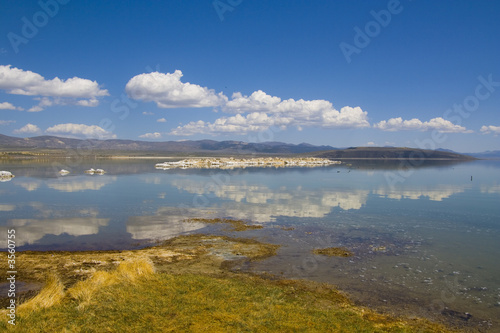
(392, 164)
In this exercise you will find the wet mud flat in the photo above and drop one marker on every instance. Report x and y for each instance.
(393, 274)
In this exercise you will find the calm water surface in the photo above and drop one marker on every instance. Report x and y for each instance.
(425, 239)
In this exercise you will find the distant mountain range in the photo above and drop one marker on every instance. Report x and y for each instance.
(489, 155)
(187, 146)
(9, 143)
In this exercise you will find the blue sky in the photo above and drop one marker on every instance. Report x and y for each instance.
(342, 73)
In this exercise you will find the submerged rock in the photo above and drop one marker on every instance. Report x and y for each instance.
(334, 251)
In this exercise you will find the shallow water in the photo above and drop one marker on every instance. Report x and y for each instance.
(425, 239)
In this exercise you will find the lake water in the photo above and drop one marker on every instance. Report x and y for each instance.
(425, 240)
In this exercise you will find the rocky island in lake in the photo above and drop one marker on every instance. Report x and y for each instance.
(231, 162)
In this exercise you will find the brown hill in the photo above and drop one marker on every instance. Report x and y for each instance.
(390, 153)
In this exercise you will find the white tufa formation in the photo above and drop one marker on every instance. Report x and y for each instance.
(6, 176)
(231, 163)
(93, 171)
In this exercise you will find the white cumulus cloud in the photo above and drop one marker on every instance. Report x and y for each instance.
(161, 120)
(75, 91)
(255, 112)
(259, 110)
(264, 111)
(9, 106)
(300, 112)
(438, 124)
(490, 129)
(167, 91)
(81, 130)
(7, 122)
(253, 122)
(155, 135)
(28, 129)
(260, 121)
(257, 101)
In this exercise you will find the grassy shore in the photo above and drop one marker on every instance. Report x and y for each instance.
(40, 154)
(184, 284)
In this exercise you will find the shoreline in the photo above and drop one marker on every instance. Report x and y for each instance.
(395, 153)
(206, 256)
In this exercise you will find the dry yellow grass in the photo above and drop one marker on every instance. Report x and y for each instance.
(127, 271)
(72, 267)
(134, 269)
(51, 294)
(84, 291)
